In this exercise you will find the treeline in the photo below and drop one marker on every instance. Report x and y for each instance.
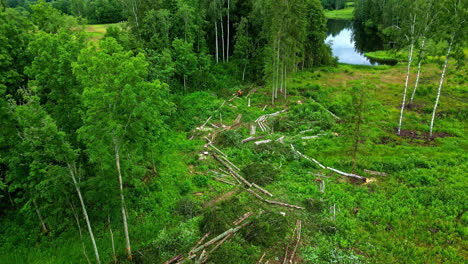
(86, 130)
(422, 28)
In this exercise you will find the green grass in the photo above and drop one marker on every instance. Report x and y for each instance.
(346, 13)
(387, 55)
(97, 31)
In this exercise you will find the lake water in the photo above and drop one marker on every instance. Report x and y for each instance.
(349, 43)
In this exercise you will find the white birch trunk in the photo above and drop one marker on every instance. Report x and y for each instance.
(227, 40)
(114, 256)
(72, 170)
(222, 31)
(419, 71)
(277, 69)
(75, 215)
(442, 77)
(134, 9)
(41, 220)
(410, 60)
(216, 41)
(122, 198)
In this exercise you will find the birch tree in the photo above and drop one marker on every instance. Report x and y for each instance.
(456, 15)
(122, 113)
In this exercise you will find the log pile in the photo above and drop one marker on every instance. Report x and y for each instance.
(199, 252)
(262, 119)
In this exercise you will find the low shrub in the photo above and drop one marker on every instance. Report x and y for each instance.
(261, 174)
(266, 229)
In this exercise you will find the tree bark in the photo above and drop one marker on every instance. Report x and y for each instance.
(410, 59)
(216, 41)
(222, 30)
(41, 220)
(72, 170)
(419, 70)
(442, 77)
(75, 215)
(114, 256)
(227, 40)
(122, 198)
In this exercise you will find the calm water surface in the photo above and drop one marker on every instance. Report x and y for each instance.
(349, 43)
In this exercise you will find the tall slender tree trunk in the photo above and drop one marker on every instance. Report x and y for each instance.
(419, 70)
(72, 170)
(442, 77)
(75, 215)
(410, 60)
(282, 76)
(134, 10)
(41, 220)
(216, 41)
(114, 256)
(243, 72)
(222, 31)
(277, 69)
(122, 198)
(227, 40)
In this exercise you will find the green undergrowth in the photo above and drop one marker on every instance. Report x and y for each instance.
(414, 214)
(346, 13)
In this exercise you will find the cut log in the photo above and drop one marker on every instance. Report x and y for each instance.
(280, 140)
(284, 204)
(307, 158)
(218, 238)
(255, 194)
(230, 163)
(262, 190)
(347, 174)
(261, 259)
(298, 240)
(252, 139)
(224, 181)
(199, 243)
(262, 142)
(217, 150)
(177, 258)
(242, 218)
(252, 129)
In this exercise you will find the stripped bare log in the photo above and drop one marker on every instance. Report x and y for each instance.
(216, 149)
(231, 164)
(280, 140)
(175, 259)
(305, 131)
(235, 123)
(220, 243)
(242, 218)
(255, 194)
(252, 129)
(252, 139)
(262, 190)
(315, 136)
(284, 204)
(307, 158)
(235, 174)
(298, 240)
(262, 142)
(199, 243)
(347, 174)
(204, 124)
(332, 114)
(224, 181)
(217, 238)
(375, 172)
(264, 107)
(261, 259)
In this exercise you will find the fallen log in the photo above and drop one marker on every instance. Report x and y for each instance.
(284, 204)
(280, 140)
(347, 174)
(298, 240)
(261, 259)
(216, 149)
(224, 181)
(218, 238)
(242, 218)
(255, 194)
(307, 158)
(174, 259)
(230, 163)
(262, 190)
(198, 243)
(262, 142)
(251, 139)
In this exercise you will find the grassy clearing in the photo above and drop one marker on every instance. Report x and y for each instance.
(97, 32)
(346, 13)
(413, 215)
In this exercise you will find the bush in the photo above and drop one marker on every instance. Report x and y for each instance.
(186, 207)
(218, 219)
(266, 229)
(200, 180)
(233, 253)
(228, 138)
(261, 174)
(275, 150)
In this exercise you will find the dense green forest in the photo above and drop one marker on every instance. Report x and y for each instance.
(226, 131)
